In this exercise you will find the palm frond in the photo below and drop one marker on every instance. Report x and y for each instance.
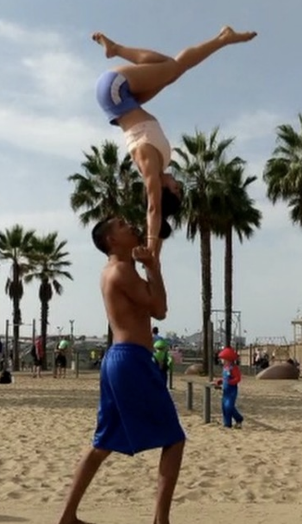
(110, 187)
(283, 171)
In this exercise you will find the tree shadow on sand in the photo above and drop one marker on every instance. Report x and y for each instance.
(8, 518)
(51, 399)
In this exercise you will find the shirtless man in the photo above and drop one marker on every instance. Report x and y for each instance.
(121, 92)
(136, 411)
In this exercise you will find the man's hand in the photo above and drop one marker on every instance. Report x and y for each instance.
(143, 254)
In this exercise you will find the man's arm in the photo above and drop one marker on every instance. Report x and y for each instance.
(150, 295)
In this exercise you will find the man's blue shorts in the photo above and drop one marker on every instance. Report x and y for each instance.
(136, 411)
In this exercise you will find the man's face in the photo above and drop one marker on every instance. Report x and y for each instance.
(124, 234)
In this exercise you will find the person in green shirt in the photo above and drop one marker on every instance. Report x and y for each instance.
(61, 358)
(162, 357)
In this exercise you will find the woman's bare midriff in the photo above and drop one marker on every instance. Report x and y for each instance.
(134, 117)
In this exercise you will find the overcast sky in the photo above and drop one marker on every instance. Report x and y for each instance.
(49, 116)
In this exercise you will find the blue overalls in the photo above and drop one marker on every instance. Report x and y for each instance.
(229, 396)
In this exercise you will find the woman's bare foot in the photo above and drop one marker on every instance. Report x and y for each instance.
(109, 45)
(229, 36)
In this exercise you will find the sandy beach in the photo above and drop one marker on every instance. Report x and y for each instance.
(228, 476)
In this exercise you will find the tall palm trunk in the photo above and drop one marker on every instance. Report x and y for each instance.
(44, 321)
(206, 280)
(228, 284)
(45, 294)
(16, 316)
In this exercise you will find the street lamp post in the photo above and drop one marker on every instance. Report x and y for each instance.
(74, 354)
(71, 329)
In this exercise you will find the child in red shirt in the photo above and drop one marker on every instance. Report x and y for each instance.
(231, 377)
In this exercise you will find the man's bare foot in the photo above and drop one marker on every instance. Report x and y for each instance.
(109, 45)
(229, 36)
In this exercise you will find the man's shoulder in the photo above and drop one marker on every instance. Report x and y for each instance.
(115, 273)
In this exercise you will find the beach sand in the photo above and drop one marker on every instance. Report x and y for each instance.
(228, 476)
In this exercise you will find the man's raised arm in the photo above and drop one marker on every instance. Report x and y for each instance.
(149, 293)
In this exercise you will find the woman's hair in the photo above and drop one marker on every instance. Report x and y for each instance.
(170, 203)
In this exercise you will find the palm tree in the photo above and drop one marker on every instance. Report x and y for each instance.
(108, 187)
(233, 211)
(283, 171)
(200, 158)
(15, 246)
(49, 263)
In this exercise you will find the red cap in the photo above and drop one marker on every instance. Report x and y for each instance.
(228, 354)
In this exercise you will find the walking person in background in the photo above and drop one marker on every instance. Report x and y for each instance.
(162, 357)
(61, 358)
(37, 354)
(155, 334)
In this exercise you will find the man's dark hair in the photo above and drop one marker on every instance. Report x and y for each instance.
(100, 234)
(155, 330)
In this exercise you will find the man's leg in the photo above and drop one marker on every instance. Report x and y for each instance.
(83, 477)
(169, 468)
(154, 72)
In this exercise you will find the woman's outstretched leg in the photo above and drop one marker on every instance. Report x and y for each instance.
(131, 54)
(153, 71)
(193, 56)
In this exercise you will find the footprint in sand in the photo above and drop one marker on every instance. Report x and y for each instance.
(15, 495)
(250, 496)
(190, 495)
(211, 473)
(200, 484)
